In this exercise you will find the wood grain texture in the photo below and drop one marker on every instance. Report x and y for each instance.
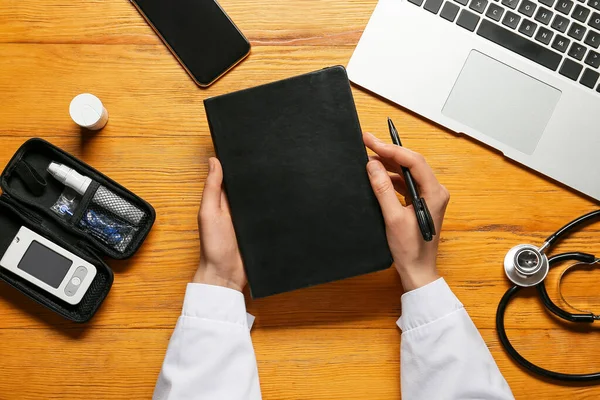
(334, 341)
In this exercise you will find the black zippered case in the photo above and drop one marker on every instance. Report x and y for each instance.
(28, 194)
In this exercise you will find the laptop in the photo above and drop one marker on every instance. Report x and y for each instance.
(518, 75)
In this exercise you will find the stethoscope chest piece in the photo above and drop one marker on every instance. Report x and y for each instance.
(526, 265)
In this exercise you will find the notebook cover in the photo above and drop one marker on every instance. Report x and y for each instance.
(295, 175)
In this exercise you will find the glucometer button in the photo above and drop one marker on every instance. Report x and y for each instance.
(76, 281)
(81, 271)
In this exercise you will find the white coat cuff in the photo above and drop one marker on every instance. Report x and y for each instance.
(427, 304)
(215, 303)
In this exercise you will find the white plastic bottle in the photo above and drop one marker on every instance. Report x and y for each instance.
(88, 112)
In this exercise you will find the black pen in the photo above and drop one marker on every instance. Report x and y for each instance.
(424, 219)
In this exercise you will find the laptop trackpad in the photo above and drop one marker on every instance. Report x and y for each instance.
(501, 102)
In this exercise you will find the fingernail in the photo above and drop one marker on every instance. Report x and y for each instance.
(374, 168)
(211, 165)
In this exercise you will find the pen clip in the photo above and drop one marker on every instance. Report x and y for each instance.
(424, 219)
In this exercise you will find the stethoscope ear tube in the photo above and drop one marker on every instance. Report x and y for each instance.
(559, 312)
(549, 304)
(562, 232)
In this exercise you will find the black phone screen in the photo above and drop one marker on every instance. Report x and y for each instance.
(200, 34)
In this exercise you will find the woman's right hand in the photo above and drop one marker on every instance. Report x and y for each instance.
(414, 258)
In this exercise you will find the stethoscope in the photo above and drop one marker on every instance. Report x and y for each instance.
(527, 266)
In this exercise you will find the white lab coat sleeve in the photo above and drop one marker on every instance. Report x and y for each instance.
(442, 354)
(210, 355)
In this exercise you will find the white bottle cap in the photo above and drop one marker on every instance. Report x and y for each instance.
(88, 112)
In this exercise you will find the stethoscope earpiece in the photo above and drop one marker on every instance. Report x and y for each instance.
(526, 265)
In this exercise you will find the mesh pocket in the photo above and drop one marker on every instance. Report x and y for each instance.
(118, 206)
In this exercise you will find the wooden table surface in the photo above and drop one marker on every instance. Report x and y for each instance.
(335, 341)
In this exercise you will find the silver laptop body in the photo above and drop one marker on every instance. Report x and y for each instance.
(477, 69)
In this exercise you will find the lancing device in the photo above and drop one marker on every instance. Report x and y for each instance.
(103, 197)
(424, 219)
(69, 177)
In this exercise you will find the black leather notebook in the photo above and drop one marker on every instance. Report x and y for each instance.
(295, 175)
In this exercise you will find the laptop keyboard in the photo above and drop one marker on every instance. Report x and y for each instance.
(561, 35)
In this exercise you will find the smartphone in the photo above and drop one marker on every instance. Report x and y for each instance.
(48, 266)
(199, 34)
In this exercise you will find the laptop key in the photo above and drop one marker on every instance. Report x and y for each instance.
(570, 69)
(595, 21)
(467, 20)
(560, 43)
(512, 3)
(564, 6)
(494, 12)
(580, 13)
(592, 39)
(416, 2)
(527, 8)
(433, 5)
(593, 59)
(518, 44)
(527, 27)
(577, 51)
(544, 35)
(449, 11)
(463, 2)
(594, 4)
(511, 20)
(576, 31)
(560, 23)
(548, 3)
(589, 78)
(544, 15)
(478, 5)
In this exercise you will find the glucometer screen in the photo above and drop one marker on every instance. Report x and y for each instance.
(45, 264)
